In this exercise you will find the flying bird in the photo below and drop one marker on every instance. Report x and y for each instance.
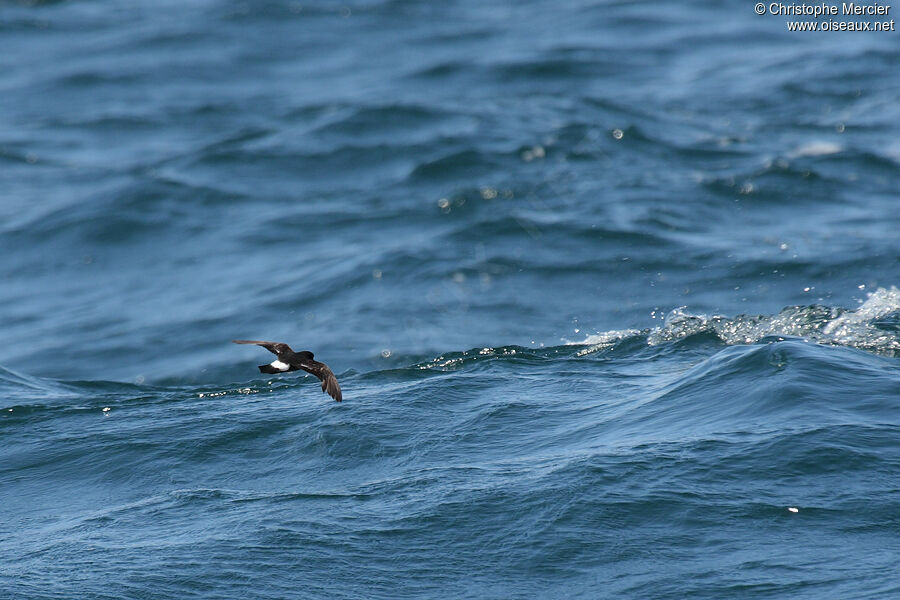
(288, 360)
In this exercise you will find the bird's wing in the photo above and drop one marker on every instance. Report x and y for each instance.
(276, 348)
(329, 381)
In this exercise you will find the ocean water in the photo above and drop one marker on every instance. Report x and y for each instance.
(610, 288)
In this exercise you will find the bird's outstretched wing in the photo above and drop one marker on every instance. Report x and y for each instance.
(276, 348)
(329, 381)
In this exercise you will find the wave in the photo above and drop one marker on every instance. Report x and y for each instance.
(874, 326)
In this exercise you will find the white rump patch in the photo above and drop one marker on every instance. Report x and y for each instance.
(280, 365)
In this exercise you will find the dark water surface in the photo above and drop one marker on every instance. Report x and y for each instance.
(610, 288)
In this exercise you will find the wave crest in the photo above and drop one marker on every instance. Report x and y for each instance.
(874, 326)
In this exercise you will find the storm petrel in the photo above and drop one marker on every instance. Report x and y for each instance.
(288, 360)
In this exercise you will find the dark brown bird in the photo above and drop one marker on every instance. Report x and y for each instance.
(288, 360)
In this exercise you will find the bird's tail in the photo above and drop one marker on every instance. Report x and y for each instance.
(268, 369)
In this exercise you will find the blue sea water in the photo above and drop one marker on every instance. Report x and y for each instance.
(610, 288)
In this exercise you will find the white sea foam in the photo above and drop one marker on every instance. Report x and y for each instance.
(879, 303)
(817, 149)
(602, 341)
(822, 324)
